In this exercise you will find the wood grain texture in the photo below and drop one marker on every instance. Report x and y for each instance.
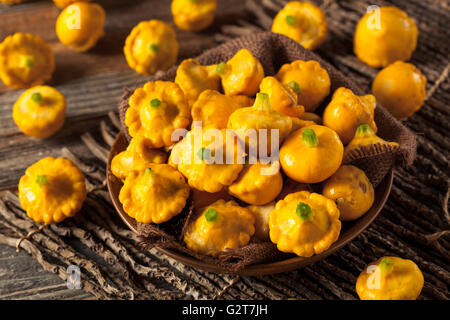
(24, 278)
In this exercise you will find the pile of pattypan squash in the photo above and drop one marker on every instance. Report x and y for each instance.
(251, 150)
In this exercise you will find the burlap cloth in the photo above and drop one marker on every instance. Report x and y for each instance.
(274, 50)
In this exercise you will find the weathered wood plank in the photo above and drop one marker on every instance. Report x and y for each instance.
(23, 278)
(64, 294)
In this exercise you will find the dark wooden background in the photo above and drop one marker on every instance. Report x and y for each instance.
(93, 83)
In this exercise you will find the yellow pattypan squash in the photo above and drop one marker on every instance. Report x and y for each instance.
(258, 183)
(155, 111)
(213, 108)
(298, 123)
(390, 278)
(219, 227)
(309, 116)
(51, 190)
(311, 154)
(12, 1)
(346, 111)
(261, 214)
(303, 22)
(304, 223)
(154, 195)
(242, 74)
(305, 119)
(202, 158)
(283, 98)
(64, 3)
(137, 157)
(247, 122)
(365, 136)
(193, 15)
(384, 36)
(313, 80)
(193, 79)
(243, 101)
(151, 46)
(25, 61)
(352, 191)
(400, 88)
(40, 111)
(176, 152)
(80, 25)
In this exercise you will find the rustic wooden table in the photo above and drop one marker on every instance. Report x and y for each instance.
(93, 83)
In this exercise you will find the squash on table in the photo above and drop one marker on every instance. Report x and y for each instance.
(346, 111)
(384, 36)
(193, 15)
(241, 75)
(155, 111)
(154, 195)
(400, 88)
(303, 22)
(311, 154)
(25, 61)
(390, 278)
(151, 46)
(352, 191)
(40, 111)
(80, 25)
(52, 190)
(313, 80)
(136, 157)
(219, 227)
(304, 223)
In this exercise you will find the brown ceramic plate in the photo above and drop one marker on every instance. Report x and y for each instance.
(349, 229)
